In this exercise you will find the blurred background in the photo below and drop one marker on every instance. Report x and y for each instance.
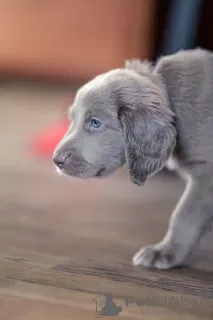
(76, 40)
(48, 49)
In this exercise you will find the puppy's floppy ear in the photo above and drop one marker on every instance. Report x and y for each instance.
(148, 131)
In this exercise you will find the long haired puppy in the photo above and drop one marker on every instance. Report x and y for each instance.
(142, 116)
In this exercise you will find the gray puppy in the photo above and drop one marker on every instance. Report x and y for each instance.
(143, 116)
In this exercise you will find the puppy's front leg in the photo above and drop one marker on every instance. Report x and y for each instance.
(188, 222)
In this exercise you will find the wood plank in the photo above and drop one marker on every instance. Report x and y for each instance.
(74, 290)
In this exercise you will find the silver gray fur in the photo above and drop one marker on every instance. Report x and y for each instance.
(151, 115)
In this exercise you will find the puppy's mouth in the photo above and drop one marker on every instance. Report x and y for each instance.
(100, 172)
(81, 174)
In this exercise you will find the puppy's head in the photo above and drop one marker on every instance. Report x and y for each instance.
(120, 117)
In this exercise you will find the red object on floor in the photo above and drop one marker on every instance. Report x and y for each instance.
(44, 143)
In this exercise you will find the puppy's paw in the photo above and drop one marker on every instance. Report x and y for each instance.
(156, 256)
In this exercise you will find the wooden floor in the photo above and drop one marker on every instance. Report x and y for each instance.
(65, 243)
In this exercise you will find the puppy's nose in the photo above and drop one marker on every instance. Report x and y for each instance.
(60, 158)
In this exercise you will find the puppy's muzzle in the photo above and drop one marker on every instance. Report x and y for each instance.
(60, 158)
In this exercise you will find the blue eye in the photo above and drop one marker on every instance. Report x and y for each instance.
(95, 123)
